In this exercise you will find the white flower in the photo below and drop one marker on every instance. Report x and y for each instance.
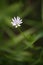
(16, 21)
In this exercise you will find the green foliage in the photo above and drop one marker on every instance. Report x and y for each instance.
(15, 49)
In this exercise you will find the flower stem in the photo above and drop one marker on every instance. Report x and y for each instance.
(23, 34)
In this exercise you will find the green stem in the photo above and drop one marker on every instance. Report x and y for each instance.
(22, 34)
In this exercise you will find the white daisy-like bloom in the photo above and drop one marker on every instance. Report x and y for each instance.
(16, 21)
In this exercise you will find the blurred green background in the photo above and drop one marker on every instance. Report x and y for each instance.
(15, 49)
